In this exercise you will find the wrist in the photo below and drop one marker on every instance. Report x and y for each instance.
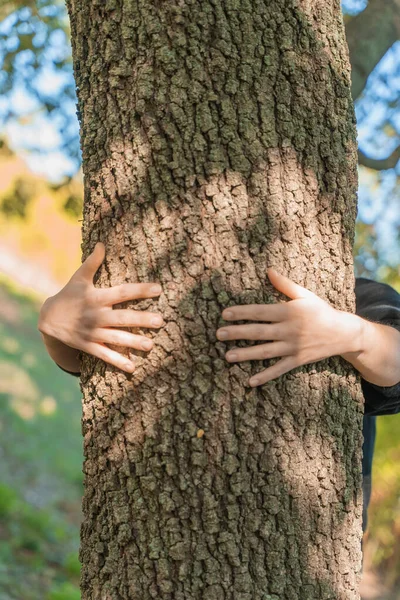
(377, 355)
(353, 328)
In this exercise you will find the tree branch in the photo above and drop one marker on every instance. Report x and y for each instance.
(379, 164)
(369, 36)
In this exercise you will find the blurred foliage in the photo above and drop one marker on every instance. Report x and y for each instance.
(73, 205)
(15, 203)
(28, 38)
(40, 221)
(5, 150)
(34, 46)
(365, 252)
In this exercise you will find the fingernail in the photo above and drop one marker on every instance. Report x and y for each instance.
(156, 289)
(129, 366)
(156, 321)
(146, 345)
(228, 314)
(222, 335)
(231, 356)
(254, 382)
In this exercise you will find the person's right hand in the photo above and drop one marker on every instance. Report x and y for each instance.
(81, 316)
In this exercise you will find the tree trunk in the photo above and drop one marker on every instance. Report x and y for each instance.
(218, 138)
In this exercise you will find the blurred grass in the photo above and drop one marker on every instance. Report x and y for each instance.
(40, 460)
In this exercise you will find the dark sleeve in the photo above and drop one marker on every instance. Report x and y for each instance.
(69, 372)
(380, 303)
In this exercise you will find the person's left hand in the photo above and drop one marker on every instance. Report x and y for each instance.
(304, 330)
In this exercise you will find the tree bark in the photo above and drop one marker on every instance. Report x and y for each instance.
(218, 138)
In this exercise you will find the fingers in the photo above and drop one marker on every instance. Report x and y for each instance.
(253, 331)
(89, 267)
(256, 312)
(282, 366)
(129, 291)
(287, 286)
(129, 318)
(109, 356)
(122, 338)
(259, 352)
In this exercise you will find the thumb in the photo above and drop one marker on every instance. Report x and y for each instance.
(287, 286)
(89, 267)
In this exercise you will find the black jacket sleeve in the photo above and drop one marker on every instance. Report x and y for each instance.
(380, 303)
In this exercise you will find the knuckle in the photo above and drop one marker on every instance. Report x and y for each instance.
(258, 312)
(296, 345)
(111, 337)
(118, 338)
(274, 331)
(93, 296)
(121, 293)
(265, 353)
(127, 292)
(118, 319)
(113, 318)
(121, 320)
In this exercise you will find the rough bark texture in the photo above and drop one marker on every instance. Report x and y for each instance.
(218, 138)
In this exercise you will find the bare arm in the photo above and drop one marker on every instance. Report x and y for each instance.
(377, 357)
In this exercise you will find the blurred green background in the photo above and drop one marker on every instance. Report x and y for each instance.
(40, 236)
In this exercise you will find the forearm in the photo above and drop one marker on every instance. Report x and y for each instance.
(374, 351)
(63, 355)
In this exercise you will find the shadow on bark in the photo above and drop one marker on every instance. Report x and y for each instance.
(209, 490)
